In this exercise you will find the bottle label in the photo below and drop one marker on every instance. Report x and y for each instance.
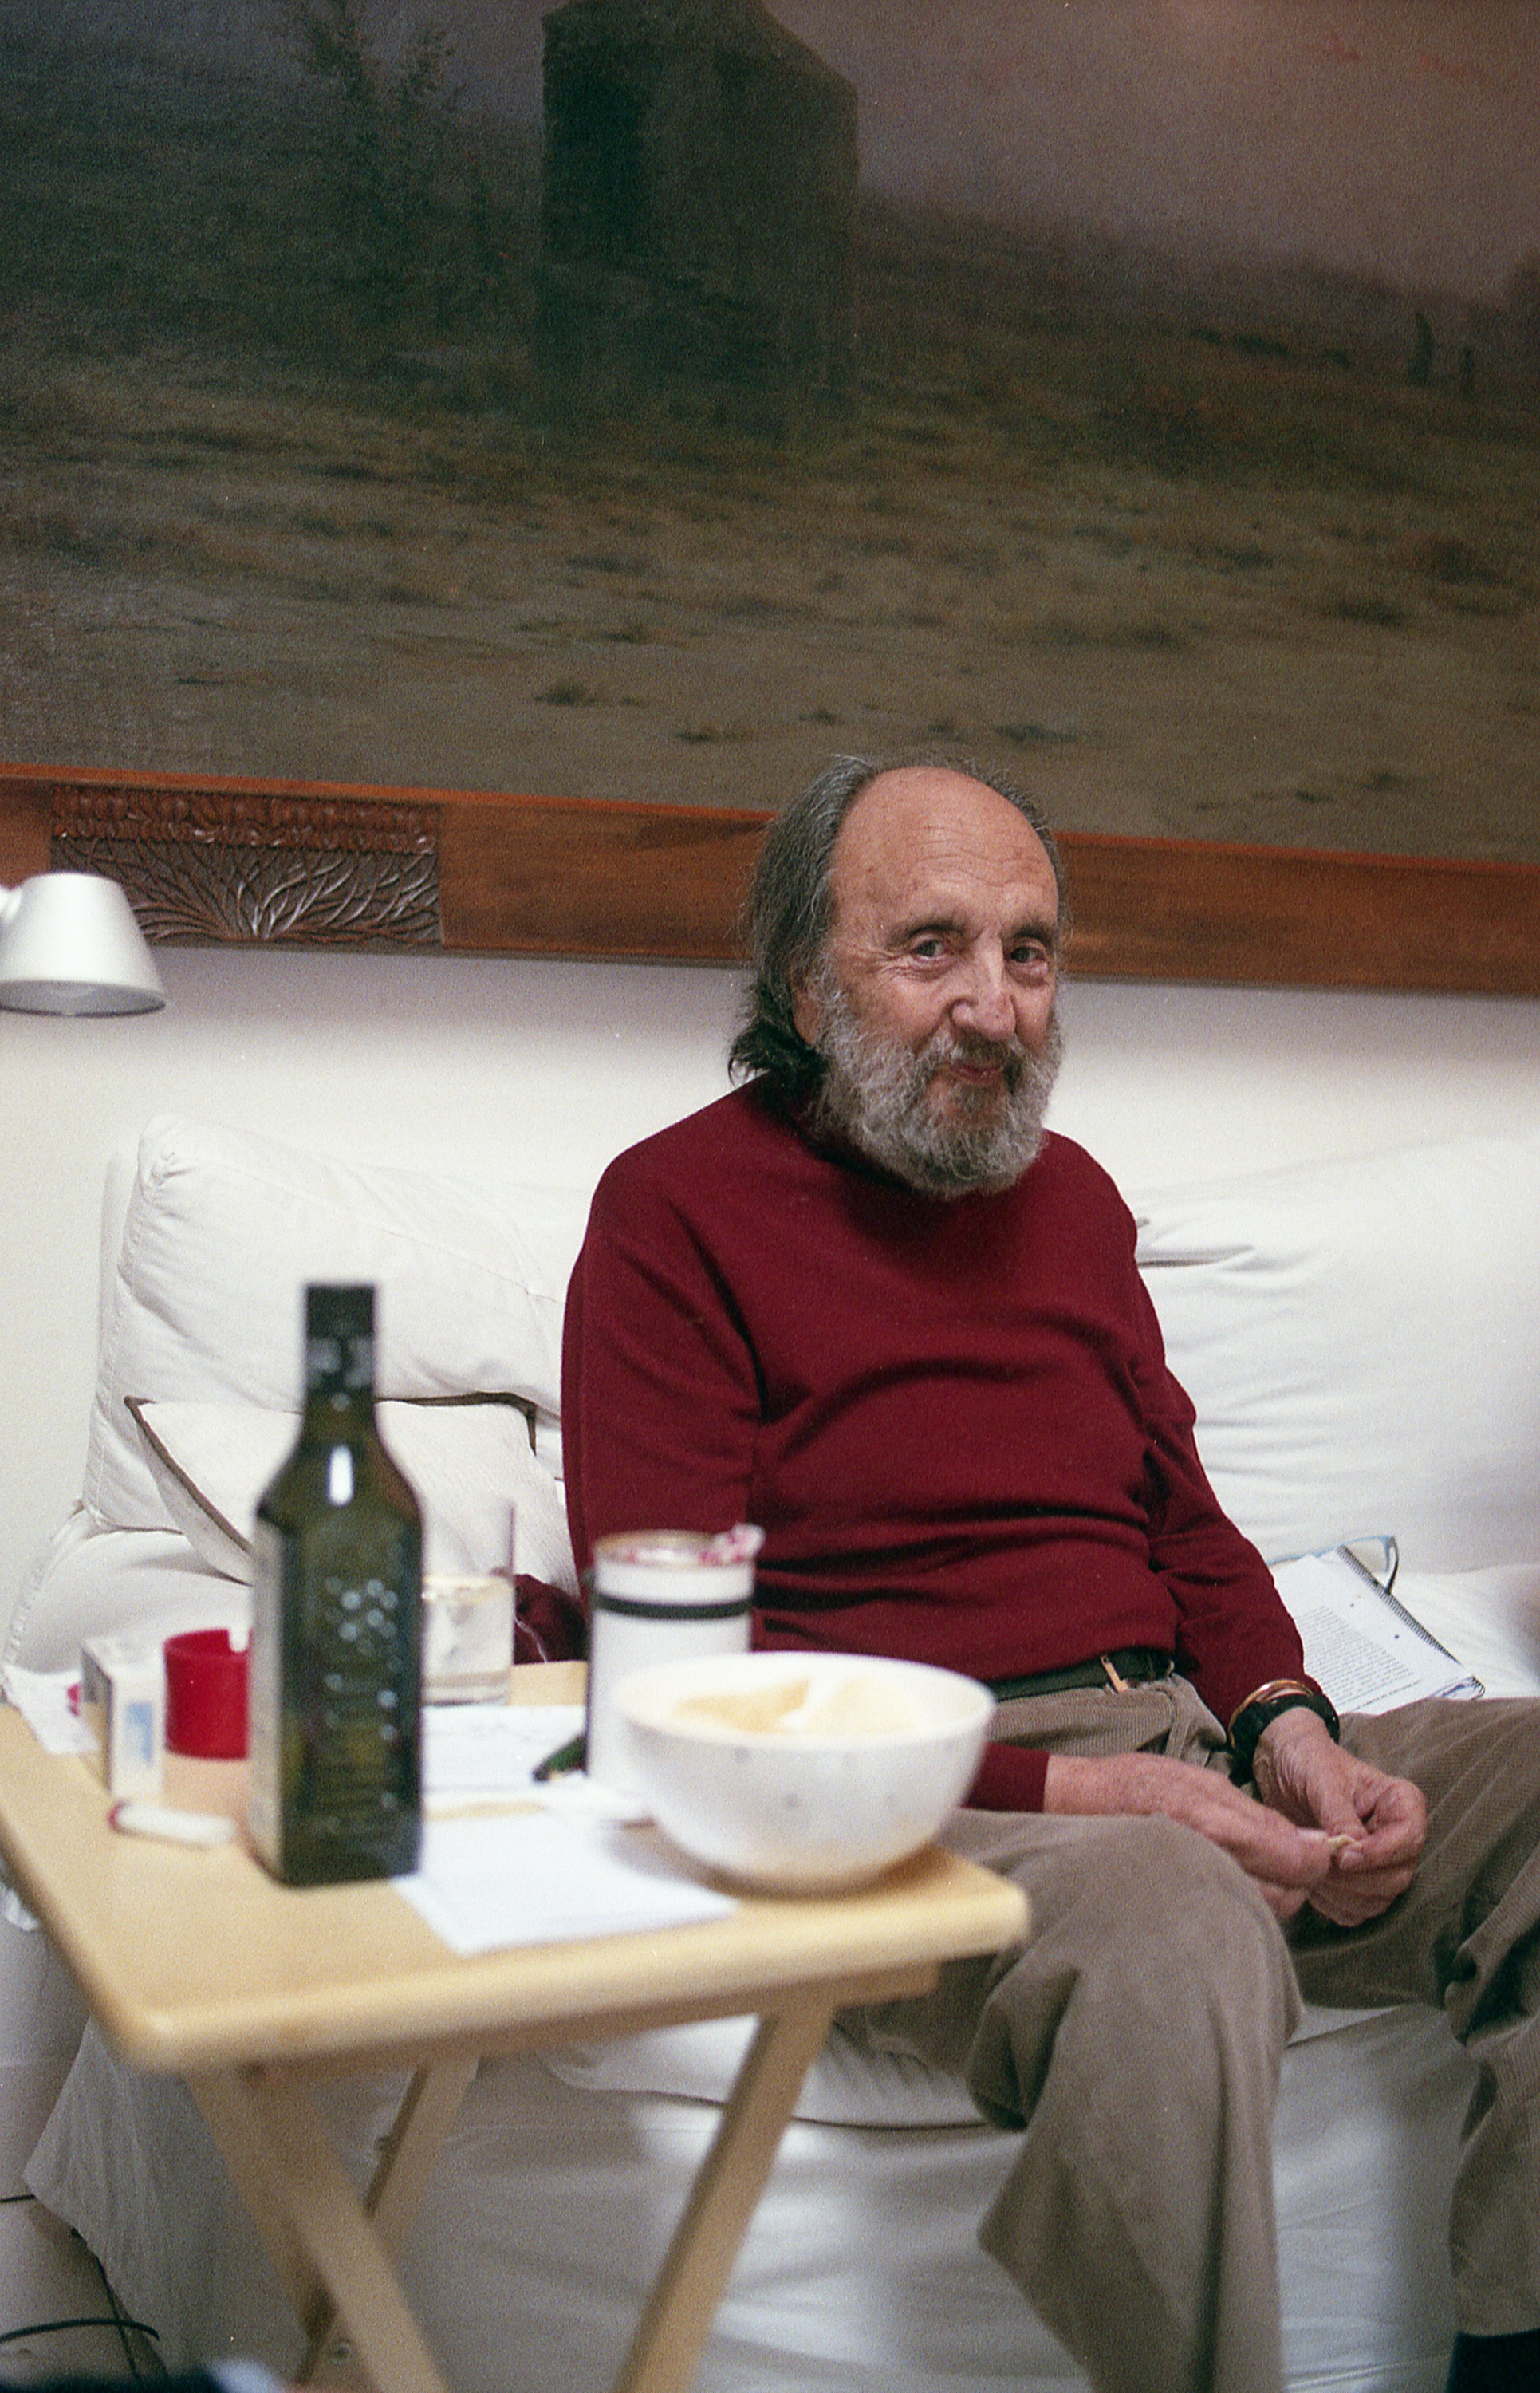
(333, 1735)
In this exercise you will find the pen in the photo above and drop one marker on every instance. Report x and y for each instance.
(173, 1827)
(560, 1764)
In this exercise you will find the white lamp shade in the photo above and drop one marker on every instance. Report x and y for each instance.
(68, 944)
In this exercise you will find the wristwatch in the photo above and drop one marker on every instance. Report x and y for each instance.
(1268, 1704)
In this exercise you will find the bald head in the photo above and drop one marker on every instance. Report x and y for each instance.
(932, 866)
(793, 902)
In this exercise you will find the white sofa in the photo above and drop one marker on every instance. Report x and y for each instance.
(1363, 1339)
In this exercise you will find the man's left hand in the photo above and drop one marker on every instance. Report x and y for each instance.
(1299, 1769)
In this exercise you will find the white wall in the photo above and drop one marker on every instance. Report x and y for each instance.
(558, 1066)
(1172, 1084)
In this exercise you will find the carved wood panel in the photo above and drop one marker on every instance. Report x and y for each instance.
(202, 865)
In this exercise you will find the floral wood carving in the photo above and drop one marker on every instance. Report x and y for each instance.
(199, 865)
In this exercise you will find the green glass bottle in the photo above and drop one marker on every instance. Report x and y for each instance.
(335, 1701)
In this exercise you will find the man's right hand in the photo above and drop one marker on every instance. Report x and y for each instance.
(1287, 1862)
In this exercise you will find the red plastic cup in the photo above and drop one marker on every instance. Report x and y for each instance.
(206, 1695)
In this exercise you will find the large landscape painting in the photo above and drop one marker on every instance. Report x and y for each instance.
(1143, 394)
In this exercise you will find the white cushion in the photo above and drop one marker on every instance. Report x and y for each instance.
(1490, 1619)
(551, 2206)
(222, 1233)
(1361, 1340)
(466, 1463)
(852, 2082)
(88, 1581)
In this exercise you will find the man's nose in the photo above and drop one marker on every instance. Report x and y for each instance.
(984, 1004)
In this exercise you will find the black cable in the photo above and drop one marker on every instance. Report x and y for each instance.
(65, 2326)
(156, 2373)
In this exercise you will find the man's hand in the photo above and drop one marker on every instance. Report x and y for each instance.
(1329, 1830)
(1290, 1860)
(1376, 1825)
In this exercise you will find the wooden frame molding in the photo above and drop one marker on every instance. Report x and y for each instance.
(207, 861)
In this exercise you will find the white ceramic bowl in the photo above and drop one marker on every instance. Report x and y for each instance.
(803, 1772)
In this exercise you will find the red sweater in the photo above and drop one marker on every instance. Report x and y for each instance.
(953, 1420)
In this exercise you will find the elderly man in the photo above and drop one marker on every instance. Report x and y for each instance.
(867, 1301)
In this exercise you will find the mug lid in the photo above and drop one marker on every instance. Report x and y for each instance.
(683, 1567)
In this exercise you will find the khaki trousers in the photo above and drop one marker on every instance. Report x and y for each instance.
(1137, 2039)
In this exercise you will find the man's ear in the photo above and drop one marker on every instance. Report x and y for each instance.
(807, 1012)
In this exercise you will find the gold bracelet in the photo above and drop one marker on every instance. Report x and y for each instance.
(1251, 1719)
(1265, 1694)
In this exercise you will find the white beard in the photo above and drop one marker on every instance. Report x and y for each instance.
(876, 1095)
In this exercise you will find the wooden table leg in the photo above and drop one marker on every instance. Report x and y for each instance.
(678, 2316)
(277, 2148)
(243, 2149)
(407, 2156)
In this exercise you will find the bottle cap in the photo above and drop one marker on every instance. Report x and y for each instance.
(339, 1340)
(339, 1312)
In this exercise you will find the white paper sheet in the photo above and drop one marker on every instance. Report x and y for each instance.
(44, 1698)
(491, 1748)
(535, 1877)
(476, 1755)
(1359, 1644)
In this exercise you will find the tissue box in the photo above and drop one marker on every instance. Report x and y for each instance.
(122, 1703)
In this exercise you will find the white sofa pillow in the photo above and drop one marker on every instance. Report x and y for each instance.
(466, 1463)
(1490, 1619)
(1361, 1340)
(222, 1232)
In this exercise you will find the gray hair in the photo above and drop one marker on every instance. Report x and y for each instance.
(789, 910)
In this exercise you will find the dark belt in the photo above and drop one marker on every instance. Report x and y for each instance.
(1132, 1665)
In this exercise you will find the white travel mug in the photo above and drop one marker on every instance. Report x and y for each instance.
(659, 1595)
